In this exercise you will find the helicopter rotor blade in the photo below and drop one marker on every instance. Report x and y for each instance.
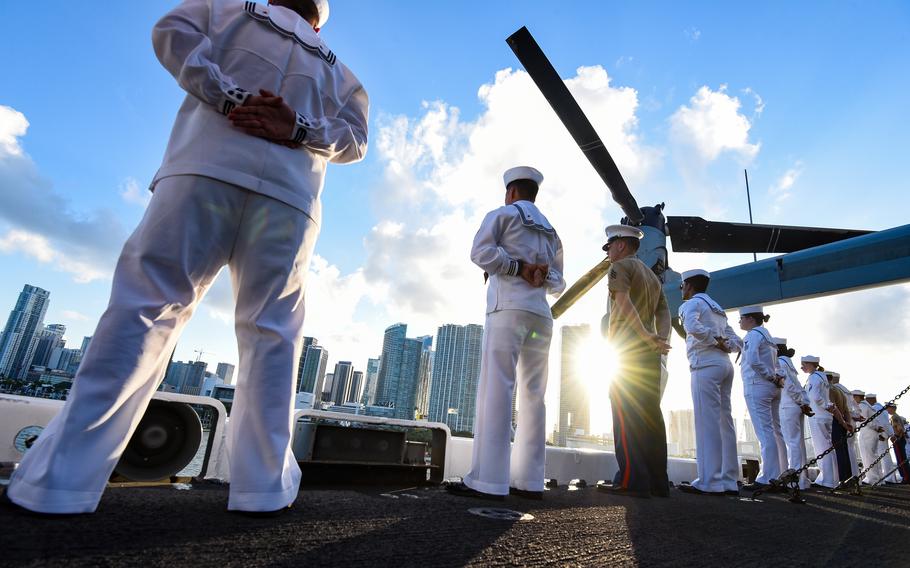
(573, 118)
(694, 234)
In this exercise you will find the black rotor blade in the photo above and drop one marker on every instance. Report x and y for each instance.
(557, 94)
(694, 234)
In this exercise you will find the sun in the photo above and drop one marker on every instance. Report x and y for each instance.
(596, 363)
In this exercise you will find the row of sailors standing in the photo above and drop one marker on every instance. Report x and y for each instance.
(778, 404)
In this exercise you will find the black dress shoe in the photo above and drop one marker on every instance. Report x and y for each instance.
(686, 488)
(263, 514)
(621, 491)
(731, 493)
(524, 494)
(459, 489)
(756, 486)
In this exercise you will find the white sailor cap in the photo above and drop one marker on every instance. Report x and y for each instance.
(779, 340)
(751, 310)
(810, 359)
(322, 7)
(522, 172)
(858, 392)
(695, 272)
(871, 395)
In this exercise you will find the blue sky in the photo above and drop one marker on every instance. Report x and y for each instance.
(810, 97)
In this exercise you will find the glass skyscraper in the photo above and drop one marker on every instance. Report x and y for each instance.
(20, 336)
(456, 370)
(574, 402)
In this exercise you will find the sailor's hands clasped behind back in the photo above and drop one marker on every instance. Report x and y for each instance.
(534, 274)
(266, 116)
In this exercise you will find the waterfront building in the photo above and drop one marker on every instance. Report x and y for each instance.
(456, 370)
(17, 344)
(574, 400)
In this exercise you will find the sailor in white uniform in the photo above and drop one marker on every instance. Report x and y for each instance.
(521, 253)
(762, 389)
(709, 341)
(851, 419)
(267, 107)
(794, 407)
(821, 425)
(884, 422)
(869, 438)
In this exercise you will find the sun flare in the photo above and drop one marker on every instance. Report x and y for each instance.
(596, 363)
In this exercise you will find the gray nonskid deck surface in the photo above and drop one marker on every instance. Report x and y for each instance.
(350, 527)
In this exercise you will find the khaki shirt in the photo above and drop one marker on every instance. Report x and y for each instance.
(840, 401)
(646, 294)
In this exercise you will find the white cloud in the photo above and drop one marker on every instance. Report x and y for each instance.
(13, 125)
(712, 124)
(74, 315)
(692, 33)
(40, 249)
(132, 193)
(41, 221)
(782, 189)
(759, 102)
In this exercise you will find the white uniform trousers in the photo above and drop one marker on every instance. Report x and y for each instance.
(869, 452)
(717, 463)
(763, 401)
(820, 427)
(511, 339)
(192, 227)
(887, 462)
(793, 429)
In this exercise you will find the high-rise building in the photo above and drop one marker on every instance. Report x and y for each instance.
(17, 345)
(574, 402)
(185, 378)
(748, 430)
(399, 368)
(354, 392)
(226, 372)
(311, 375)
(325, 389)
(85, 343)
(456, 370)
(341, 382)
(305, 344)
(424, 375)
(682, 431)
(49, 339)
(369, 388)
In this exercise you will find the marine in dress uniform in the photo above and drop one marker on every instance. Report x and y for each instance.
(839, 429)
(762, 390)
(869, 439)
(638, 326)
(821, 425)
(794, 407)
(709, 341)
(899, 424)
(240, 186)
(850, 417)
(522, 254)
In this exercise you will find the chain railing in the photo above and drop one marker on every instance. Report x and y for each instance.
(789, 480)
(887, 475)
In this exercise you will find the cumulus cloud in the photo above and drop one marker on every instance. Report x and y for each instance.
(132, 193)
(712, 124)
(451, 169)
(13, 125)
(40, 220)
(782, 189)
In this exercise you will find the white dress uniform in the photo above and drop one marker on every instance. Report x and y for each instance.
(821, 426)
(221, 197)
(758, 368)
(792, 419)
(887, 462)
(853, 409)
(516, 334)
(868, 444)
(712, 380)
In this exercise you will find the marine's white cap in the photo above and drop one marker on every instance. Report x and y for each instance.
(617, 231)
(322, 6)
(810, 359)
(890, 405)
(522, 172)
(779, 340)
(751, 310)
(695, 272)
(858, 392)
(871, 395)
